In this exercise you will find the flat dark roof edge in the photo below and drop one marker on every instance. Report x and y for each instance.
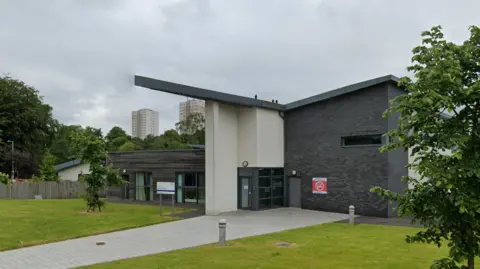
(199, 93)
(67, 164)
(156, 151)
(340, 91)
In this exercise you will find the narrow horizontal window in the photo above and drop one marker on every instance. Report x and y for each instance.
(362, 140)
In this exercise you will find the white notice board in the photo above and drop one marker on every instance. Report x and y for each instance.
(166, 188)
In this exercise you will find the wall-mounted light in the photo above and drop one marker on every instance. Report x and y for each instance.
(124, 171)
(294, 172)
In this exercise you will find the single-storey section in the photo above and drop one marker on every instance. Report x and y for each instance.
(143, 169)
(72, 170)
(319, 153)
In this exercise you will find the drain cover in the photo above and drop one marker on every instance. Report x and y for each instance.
(283, 244)
(100, 243)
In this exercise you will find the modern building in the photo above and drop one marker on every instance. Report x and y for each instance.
(72, 170)
(319, 153)
(189, 107)
(143, 169)
(144, 123)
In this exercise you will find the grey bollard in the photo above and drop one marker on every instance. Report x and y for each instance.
(351, 213)
(222, 232)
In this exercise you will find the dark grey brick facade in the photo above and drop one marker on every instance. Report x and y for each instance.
(313, 148)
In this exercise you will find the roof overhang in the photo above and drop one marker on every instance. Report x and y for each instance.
(204, 94)
(67, 165)
(341, 91)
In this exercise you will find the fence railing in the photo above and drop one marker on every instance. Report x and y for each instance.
(47, 189)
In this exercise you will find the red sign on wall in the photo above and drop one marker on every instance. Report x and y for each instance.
(319, 185)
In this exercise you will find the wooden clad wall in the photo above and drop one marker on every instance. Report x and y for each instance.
(163, 164)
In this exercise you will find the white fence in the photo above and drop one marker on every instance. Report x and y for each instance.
(48, 190)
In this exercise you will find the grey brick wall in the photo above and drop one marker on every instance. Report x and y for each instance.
(313, 148)
(397, 159)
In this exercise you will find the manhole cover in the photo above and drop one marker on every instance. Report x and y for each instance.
(100, 243)
(283, 244)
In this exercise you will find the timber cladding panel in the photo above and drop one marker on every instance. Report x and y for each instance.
(163, 164)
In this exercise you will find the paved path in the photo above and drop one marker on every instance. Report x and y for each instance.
(160, 238)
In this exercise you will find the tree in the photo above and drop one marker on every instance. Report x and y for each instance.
(24, 119)
(4, 179)
(446, 196)
(115, 138)
(192, 129)
(47, 168)
(193, 123)
(92, 149)
(62, 146)
(128, 146)
(148, 142)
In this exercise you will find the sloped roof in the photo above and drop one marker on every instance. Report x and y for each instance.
(199, 93)
(66, 165)
(341, 91)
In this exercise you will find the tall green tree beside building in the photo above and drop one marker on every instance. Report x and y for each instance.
(446, 199)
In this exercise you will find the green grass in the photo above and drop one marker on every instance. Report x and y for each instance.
(32, 222)
(329, 246)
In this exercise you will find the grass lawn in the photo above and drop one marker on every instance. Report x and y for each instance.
(31, 222)
(329, 246)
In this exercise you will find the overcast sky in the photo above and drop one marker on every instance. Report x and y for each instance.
(82, 54)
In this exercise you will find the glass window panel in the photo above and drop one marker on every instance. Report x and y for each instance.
(190, 195)
(264, 172)
(201, 196)
(277, 202)
(362, 140)
(264, 203)
(180, 195)
(190, 180)
(277, 182)
(264, 181)
(277, 191)
(139, 184)
(264, 192)
(180, 180)
(201, 180)
(278, 171)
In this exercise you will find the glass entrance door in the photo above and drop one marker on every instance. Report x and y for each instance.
(245, 192)
(270, 188)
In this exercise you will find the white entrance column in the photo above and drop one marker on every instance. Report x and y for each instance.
(220, 158)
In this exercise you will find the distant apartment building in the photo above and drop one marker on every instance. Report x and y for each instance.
(144, 122)
(190, 107)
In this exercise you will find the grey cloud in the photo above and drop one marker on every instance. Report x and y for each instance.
(82, 55)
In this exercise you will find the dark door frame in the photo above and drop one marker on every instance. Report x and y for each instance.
(287, 191)
(250, 194)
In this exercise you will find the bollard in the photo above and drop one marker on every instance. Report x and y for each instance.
(351, 213)
(222, 232)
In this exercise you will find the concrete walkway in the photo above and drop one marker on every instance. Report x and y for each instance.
(160, 238)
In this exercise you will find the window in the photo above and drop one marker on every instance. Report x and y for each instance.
(362, 140)
(143, 186)
(190, 188)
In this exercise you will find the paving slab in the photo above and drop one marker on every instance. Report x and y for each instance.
(161, 238)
